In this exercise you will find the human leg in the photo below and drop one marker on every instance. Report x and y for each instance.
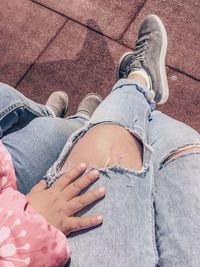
(126, 236)
(176, 160)
(115, 142)
(16, 110)
(36, 147)
(176, 157)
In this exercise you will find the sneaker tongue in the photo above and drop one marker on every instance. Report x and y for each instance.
(134, 66)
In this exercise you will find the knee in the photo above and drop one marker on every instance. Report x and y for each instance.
(108, 146)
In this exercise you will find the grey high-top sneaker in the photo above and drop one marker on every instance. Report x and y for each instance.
(58, 102)
(88, 104)
(149, 56)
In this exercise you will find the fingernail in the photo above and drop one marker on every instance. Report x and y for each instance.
(95, 172)
(82, 165)
(102, 190)
(99, 219)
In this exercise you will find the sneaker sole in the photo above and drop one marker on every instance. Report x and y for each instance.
(94, 94)
(164, 83)
(164, 90)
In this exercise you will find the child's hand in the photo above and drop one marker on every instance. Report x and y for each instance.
(60, 202)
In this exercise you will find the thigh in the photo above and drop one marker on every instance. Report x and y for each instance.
(177, 191)
(37, 146)
(126, 237)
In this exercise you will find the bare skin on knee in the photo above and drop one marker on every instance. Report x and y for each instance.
(183, 151)
(107, 146)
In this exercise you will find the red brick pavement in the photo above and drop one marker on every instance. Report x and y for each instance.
(75, 46)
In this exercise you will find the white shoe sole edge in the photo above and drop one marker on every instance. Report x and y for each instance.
(164, 82)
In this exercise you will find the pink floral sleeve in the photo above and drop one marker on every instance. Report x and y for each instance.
(26, 239)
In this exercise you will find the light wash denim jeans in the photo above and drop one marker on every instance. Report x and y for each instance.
(32, 136)
(152, 216)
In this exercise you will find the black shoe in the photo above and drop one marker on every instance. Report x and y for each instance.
(149, 55)
(88, 104)
(58, 101)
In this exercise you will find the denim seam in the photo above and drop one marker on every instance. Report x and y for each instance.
(153, 219)
(38, 114)
(14, 106)
(10, 108)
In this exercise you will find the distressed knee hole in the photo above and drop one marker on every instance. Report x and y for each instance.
(107, 146)
(186, 150)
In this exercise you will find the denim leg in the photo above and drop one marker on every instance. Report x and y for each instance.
(126, 237)
(177, 191)
(16, 110)
(37, 146)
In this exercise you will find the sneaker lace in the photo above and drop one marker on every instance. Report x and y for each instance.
(139, 52)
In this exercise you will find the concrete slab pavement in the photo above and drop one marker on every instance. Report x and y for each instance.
(184, 100)
(79, 61)
(25, 31)
(112, 17)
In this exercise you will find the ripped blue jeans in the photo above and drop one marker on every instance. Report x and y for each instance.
(151, 216)
(32, 136)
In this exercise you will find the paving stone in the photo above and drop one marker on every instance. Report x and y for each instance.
(112, 16)
(182, 21)
(25, 29)
(79, 61)
(184, 100)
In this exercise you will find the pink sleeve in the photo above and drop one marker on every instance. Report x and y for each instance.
(26, 239)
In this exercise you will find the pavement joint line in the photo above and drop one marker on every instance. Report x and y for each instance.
(118, 40)
(182, 72)
(82, 24)
(40, 54)
(132, 20)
